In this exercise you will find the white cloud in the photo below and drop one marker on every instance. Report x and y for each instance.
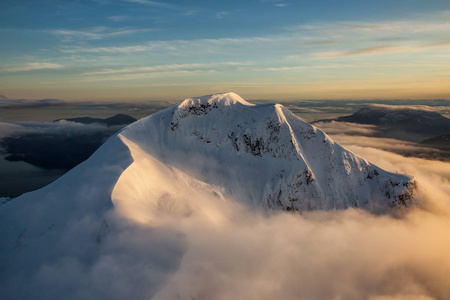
(119, 18)
(275, 2)
(346, 128)
(422, 24)
(382, 50)
(365, 51)
(60, 128)
(88, 34)
(222, 14)
(421, 33)
(185, 47)
(157, 4)
(307, 42)
(136, 76)
(35, 66)
(439, 109)
(159, 68)
(125, 49)
(368, 137)
(96, 33)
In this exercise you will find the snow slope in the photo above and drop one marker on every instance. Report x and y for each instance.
(200, 158)
(263, 155)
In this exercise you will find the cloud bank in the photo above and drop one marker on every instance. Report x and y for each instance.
(228, 251)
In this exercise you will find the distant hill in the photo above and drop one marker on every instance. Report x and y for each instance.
(415, 124)
(62, 151)
(441, 142)
(119, 119)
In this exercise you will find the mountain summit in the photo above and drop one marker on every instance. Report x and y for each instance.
(263, 155)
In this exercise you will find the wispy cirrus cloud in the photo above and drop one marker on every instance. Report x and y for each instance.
(386, 49)
(159, 70)
(157, 4)
(85, 34)
(298, 53)
(34, 66)
(364, 51)
(113, 49)
(375, 38)
(184, 47)
(435, 23)
(291, 67)
(96, 33)
(222, 14)
(276, 3)
(144, 75)
(319, 40)
(119, 18)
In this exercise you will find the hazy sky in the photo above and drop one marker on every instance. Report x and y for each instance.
(260, 49)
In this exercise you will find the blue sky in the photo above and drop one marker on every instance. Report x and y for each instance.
(261, 49)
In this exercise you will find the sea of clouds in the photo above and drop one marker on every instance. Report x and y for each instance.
(244, 253)
(230, 251)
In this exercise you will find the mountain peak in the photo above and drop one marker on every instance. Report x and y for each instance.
(265, 155)
(215, 100)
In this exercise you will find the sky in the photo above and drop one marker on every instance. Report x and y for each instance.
(132, 50)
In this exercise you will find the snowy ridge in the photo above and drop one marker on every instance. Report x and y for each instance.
(264, 155)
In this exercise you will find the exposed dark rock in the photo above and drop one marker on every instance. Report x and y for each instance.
(119, 119)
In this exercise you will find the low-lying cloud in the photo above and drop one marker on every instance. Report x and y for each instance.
(30, 103)
(324, 255)
(439, 109)
(245, 253)
(345, 128)
(52, 145)
(370, 136)
(61, 127)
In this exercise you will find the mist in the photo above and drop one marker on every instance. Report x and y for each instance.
(52, 145)
(62, 127)
(347, 254)
(370, 136)
(219, 249)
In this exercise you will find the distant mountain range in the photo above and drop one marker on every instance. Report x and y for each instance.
(119, 119)
(441, 142)
(407, 124)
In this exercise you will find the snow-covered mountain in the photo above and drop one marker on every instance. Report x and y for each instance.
(264, 155)
(191, 159)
